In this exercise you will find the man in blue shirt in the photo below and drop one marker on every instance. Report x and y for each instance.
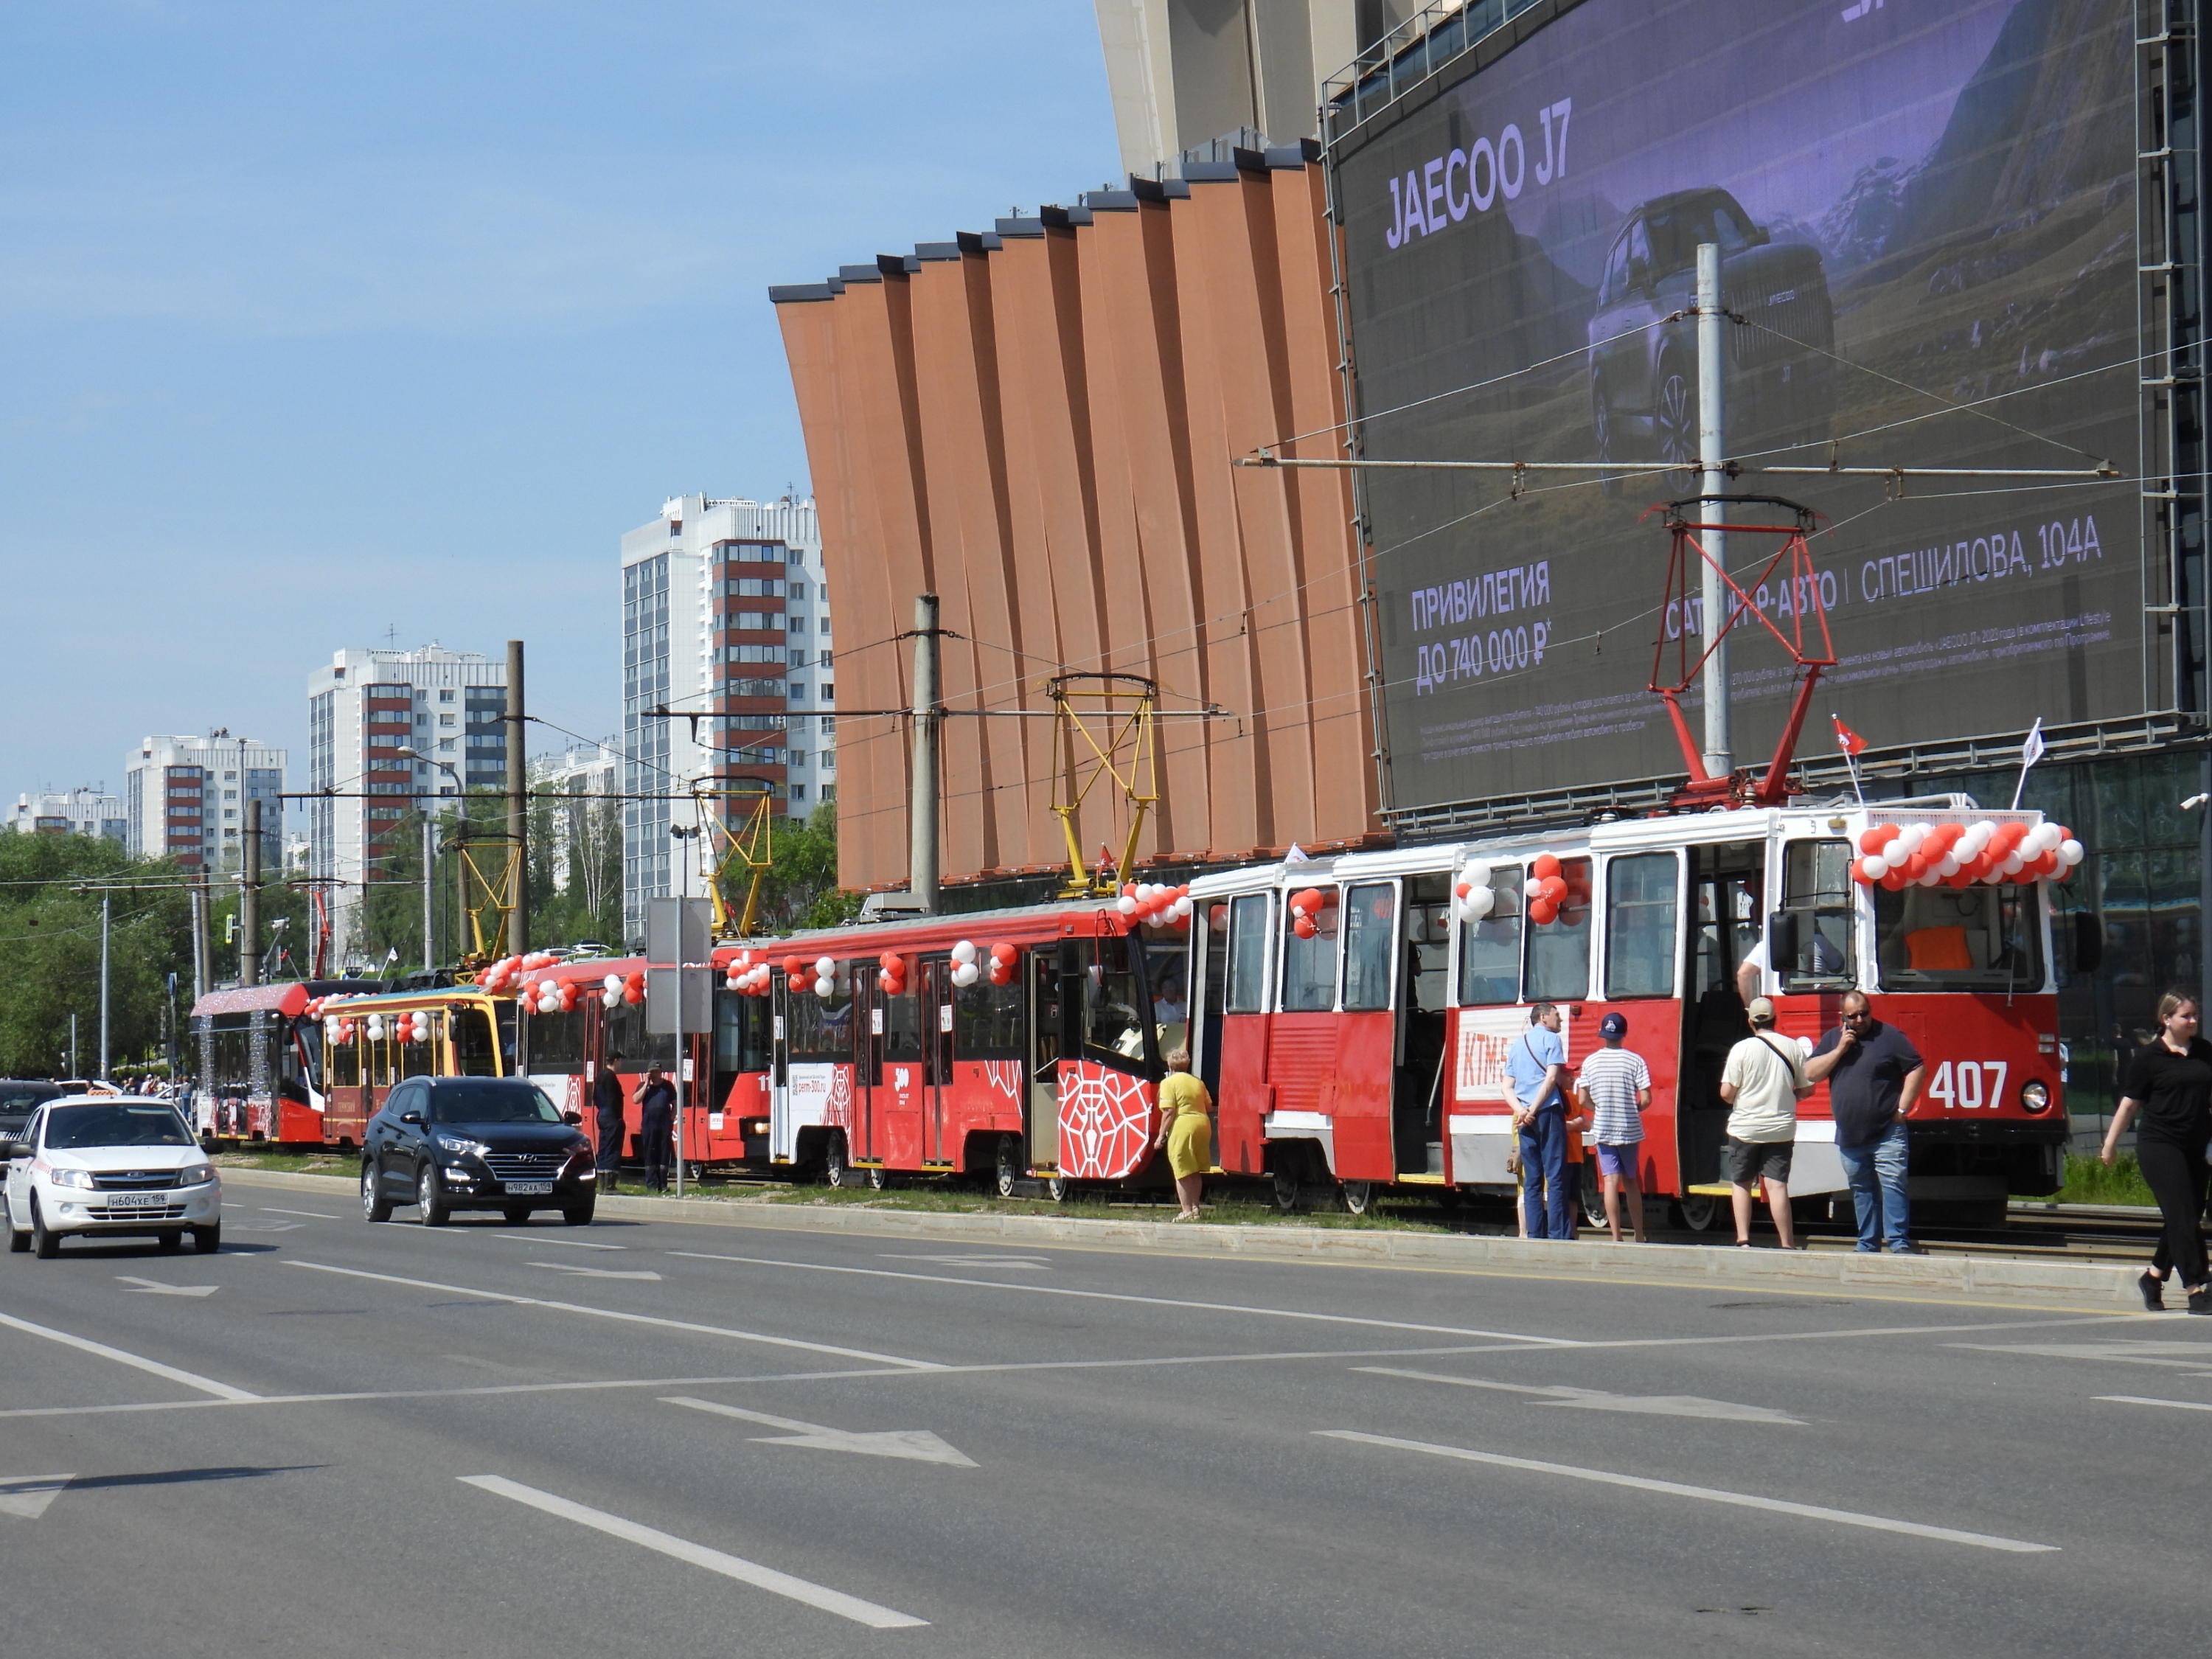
(1535, 1073)
(1874, 1076)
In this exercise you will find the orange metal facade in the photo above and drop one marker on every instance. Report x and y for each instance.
(1039, 429)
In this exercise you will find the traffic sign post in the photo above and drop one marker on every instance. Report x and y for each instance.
(679, 999)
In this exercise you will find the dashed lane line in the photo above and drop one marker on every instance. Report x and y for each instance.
(2148, 1400)
(86, 1345)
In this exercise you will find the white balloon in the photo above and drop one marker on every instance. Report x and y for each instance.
(964, 951)
(965, 974)
(1949, 866)
(1475, 872)
(2072, 851)
(1183, 906)
(612, 983)
(1532, 888)
(1479, 903)
(1913, 835)
(1126, 905)
(2011, 864)
(1895, 851)
(1875, 865)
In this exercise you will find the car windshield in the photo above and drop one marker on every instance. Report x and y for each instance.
(493, 1101)
(105, 1124)
(1677, 230)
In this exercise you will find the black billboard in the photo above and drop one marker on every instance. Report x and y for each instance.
(1926, 211)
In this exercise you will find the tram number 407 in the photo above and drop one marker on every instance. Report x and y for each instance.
(1963, 1087)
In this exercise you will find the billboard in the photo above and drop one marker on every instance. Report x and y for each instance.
(1926, 211)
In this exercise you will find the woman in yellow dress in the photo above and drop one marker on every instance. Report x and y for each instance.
(1185, 1130)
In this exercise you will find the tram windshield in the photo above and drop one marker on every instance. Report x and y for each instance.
(1951, 938)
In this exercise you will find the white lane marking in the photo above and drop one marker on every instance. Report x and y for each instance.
(1149, 1301)
(730, 1566)
(318, 1215)
(1597, 1400)
(2121, 1353)
(264, 1226)
(550, 1238)
(1709, 1494)
(919, 1444)
(190, 1379)
(1031, 1261)
(26, 1495)
(2147, 1399)
(155, 1287)
(633, 1318)
(595, 1273)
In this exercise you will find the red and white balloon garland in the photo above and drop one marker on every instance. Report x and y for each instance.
(970, 963)
(1961, 854)
(1307, 909)
(749, 973)
(1155, 904)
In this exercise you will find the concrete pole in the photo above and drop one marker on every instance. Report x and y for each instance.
(196, 893)
(1712, 456)
(429, 888)
(107, 908)
(518, 806)
(249, 900)
(922, 861)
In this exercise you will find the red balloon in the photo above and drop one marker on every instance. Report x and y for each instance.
(1543, 912)
(1859, 874)
(1555, 890)
(888, 961)
(1006, 953)
(1309, 900)
(633, 995)
(1303, 928)
(1544, 867)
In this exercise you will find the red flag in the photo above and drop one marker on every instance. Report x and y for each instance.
(1846, 739)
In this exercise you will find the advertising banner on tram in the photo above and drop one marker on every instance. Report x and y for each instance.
(1927, 216)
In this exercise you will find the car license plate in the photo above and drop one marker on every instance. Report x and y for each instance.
(136, 1200)
(526, 1187)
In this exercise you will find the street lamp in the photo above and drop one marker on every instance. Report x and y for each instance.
(429, 852)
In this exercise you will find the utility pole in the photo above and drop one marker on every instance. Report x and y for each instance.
(922, 858)
(249, 900)
(107, 908)
(198, 895)
(1712, 462)
(73, 1070)
(429, 887)
(517, 807)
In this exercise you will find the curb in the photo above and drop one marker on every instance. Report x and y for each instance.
(2097, 1282)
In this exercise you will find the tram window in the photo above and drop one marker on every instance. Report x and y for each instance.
(475, 1050)
(987, 1021)
(419, 1059)
(741, 1032)
(1559, 950)
(556, 1042)
(1246, 947)
(1371, 938)
(1112, 1026)
(1309, 965)
(1490, 950)
(342, 1065)
(903, 1021)
(1816, 884)
(1428, 938)
(1639, 925)
(1952, 939)
(820, 1028)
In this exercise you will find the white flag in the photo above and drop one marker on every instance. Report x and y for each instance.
(1295, 855)
(2031, 751)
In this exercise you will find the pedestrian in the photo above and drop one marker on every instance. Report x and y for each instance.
(1614, 1087)
(656, 1122)
(1762, 1083)
(1874, 1076)
(1535, 1069)
(2169, 1085)
(1185, 1130)
(607, 1110)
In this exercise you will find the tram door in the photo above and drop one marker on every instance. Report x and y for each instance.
(1045, 985)
(936, 995)
(1417, 1072)
(871, 1125)
(1728, 886)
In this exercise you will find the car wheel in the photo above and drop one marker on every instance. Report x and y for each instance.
(208, 1240)
(430, 1198)
(44, 1244)
(375, 1205)
(1008, 1169)
(580, 1215)
(169, 1241)
(18, 1242)
(836, 1169)
(516, 1214)
(1675, 409)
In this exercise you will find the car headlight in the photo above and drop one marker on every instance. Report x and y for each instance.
(194, 1174)
(2035, 1097)
(80, 1179)
(581, 1152)
(460, 1147)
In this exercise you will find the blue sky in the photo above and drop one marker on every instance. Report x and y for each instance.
(319, 320)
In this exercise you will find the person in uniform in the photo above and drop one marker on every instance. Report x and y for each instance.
(607, 1108)
(656, 1115)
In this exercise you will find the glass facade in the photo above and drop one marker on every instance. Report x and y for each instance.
(645, 740)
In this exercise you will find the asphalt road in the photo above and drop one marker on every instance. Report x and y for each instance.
(686, 1439)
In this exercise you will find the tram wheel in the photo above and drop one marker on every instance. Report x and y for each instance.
(879, 1178)
(1698, 1210)
(1592, 1194)
(836, 1169)
(1008, 1169)
(1358, 1196)
(1286, 1192)
(1061, 1189)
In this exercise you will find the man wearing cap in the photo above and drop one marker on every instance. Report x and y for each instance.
(1614, 1087)
(1763, 1080)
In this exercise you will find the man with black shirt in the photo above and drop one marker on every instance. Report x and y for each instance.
(1874, 1076)
(656, 1127)
(607, 1107)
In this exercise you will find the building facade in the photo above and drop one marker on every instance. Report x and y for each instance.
(590, 774)
(726, 632)
(363, 707)
(71, 812)
(184, 797)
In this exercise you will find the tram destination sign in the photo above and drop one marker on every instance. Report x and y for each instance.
(1928, 221)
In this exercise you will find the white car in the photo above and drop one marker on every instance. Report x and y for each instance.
(110, 1165)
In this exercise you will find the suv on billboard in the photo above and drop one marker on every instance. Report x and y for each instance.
(1643, 343)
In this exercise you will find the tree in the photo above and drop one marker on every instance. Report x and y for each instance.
(802, 891)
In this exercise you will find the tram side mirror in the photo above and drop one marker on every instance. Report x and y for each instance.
(2088, 941)
(1781, 941)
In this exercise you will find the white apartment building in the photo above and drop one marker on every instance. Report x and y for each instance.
(589, 772)
(71, 812)
(184, 797)
(363, 706)
(726, 615)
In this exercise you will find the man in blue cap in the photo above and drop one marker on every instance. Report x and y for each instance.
(1615, 1089)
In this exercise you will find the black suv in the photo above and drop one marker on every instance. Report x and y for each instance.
(1644, 345)
(475, 1143)
(19, 1099)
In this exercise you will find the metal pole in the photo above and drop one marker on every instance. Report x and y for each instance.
(517, 806)
(107, 907)
(1712, 457)
(73, 1070)
(922, 859)
(249, 901)
(198, 894)
(430, 889)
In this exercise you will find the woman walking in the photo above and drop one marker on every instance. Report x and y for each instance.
(2169, 1083)
(1185, 1130)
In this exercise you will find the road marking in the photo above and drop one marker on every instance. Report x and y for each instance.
(549, 1238)
(155, 1287)
(1711, 1494)
(730, 1566)
(919, 1445)
(318, 1215)
(1149, 1301)
(633, 1318)
(2146, 1400)
(595, 1273)
(190, 1379)
(26, 1495)
(1597, 1400)
(2121, 1353)
(264, 1226)
(1035, 1261)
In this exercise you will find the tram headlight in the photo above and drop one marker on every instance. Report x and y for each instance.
(2034, 1095)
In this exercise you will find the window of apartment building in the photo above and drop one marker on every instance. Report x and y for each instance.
(798, 691)
(447, 720)
(230, 795)
(829, 691)
(446, 695)
(825, 624)
(799, 589)
(798, 757)
(799, 624)
(754, 619)
(829, 792)
(799, 792)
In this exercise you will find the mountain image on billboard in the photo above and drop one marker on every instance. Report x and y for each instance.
(1926, 213)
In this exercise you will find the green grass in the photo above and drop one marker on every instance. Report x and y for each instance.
(2088, 1182)
(335, 1163)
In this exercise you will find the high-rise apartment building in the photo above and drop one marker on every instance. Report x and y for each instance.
(725, 616)
(590, 774)
(71, 812)
(184, 797)
(363, 707)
